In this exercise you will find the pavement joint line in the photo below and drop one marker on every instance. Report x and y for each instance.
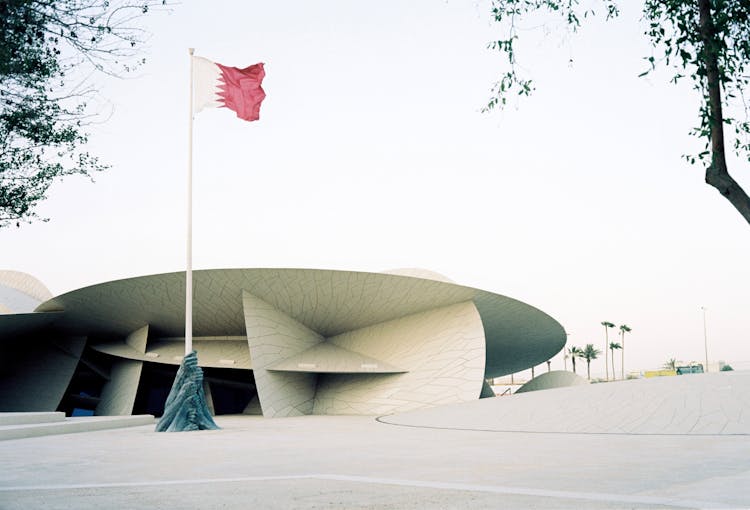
(382, 419)
(149, 483)
(497, 489)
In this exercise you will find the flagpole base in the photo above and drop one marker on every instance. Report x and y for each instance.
(186, 407)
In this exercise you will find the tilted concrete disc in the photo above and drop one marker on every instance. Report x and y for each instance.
(554, 379)
(20, 292)
(715, 403)
(329, 302)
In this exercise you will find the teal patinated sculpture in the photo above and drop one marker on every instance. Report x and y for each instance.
(186, 407)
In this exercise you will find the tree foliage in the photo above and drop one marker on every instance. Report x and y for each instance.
(670, 364)
(508, 13)
(47, 48)
(704, 41)
(589, 353)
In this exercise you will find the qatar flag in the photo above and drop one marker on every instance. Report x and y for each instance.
(219, 86)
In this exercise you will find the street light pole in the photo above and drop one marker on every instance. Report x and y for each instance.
(705, 337)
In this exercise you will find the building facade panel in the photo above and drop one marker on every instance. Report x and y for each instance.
(118, 395)
(273, 336)
(442, 351)
(36, 377)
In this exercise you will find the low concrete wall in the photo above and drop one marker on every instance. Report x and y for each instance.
(71, 425)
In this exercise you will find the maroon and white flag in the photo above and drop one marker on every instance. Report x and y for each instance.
(219, 86)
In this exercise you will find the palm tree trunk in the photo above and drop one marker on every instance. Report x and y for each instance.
(614, 374)
(622, 360)
(573, 359)
(588, 369)
(606, 344)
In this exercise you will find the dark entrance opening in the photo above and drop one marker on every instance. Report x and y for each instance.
(231, 389)
(82, 394)
(153, 388)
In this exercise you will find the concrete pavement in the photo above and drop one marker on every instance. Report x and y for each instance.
(356, 462)
(359, 462)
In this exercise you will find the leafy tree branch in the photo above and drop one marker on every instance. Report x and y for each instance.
(43, 119)
(704, 41)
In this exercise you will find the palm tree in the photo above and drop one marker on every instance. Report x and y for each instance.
(574, 353)
(623, 329)
(612, 347)
(589, 353)
(671, 364)
(606, 325)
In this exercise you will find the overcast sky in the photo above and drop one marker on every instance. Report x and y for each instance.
(371, 154)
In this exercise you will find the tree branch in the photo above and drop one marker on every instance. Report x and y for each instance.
(717, 174)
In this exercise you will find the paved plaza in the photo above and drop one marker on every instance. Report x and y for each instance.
(360, 462)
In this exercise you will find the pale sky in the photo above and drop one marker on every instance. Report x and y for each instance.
(371, 154)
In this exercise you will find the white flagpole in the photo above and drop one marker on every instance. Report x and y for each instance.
(189, 270)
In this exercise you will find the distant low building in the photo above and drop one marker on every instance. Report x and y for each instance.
(696, 368)
(664, 372)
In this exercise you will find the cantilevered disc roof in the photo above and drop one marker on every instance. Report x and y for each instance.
(328, 302)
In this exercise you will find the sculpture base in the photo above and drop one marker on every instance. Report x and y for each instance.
(186, 407)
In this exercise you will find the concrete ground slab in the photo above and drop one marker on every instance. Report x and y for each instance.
(358, 462)
(297, 493)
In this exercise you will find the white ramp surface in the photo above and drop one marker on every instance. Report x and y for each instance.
(697, 404)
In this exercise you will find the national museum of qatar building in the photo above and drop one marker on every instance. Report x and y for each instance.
(276, 342)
